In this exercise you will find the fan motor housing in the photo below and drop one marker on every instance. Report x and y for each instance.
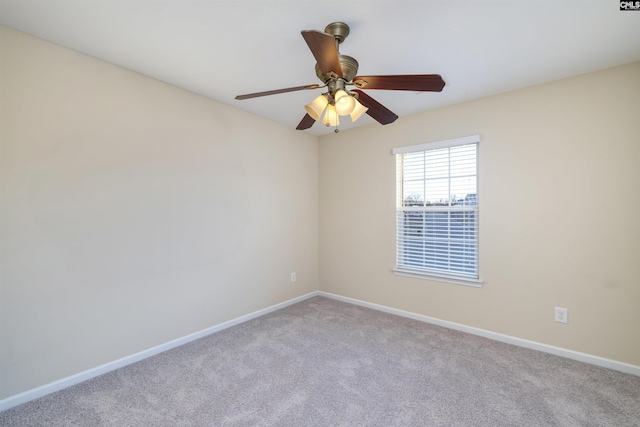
(349, 69)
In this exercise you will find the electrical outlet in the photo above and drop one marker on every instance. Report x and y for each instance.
(293, 277)
(562, 315)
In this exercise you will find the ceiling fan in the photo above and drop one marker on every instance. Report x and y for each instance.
(337, 71)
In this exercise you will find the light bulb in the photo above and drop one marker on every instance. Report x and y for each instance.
(316, 107)
(358, 111)
(345, 103)
(330, 116)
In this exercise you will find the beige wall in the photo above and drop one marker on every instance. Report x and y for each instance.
(134, 213)
(559, 169)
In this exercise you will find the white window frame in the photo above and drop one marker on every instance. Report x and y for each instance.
(426, 273)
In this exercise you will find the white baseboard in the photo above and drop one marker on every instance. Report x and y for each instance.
(29, 395)
(558, 351)
(35, 393)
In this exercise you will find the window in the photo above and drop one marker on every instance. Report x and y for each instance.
(437, 211)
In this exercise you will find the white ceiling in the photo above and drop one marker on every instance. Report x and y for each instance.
(223, 48)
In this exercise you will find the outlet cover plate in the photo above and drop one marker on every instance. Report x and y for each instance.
(561, 315)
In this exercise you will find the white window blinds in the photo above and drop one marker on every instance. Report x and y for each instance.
(437, 209)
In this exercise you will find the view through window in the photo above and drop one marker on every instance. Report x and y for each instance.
(437, 209)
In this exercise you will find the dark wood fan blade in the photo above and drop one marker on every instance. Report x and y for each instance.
(377, 111)
(323, 47)
(277, 91)
(306, 122)
(415, 82)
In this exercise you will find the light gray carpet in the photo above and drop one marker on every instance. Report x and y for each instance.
(326, 363)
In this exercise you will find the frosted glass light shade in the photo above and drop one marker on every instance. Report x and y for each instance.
(316, 107)
(358, 111)
(345, 103)
(330, 116)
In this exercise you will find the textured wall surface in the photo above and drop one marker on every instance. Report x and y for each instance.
(135, 213)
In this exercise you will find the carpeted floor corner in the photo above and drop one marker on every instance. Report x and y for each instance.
(323, 362)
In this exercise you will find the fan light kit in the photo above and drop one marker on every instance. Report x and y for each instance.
(337, 71)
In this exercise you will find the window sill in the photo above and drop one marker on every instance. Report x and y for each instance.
(476, 283)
